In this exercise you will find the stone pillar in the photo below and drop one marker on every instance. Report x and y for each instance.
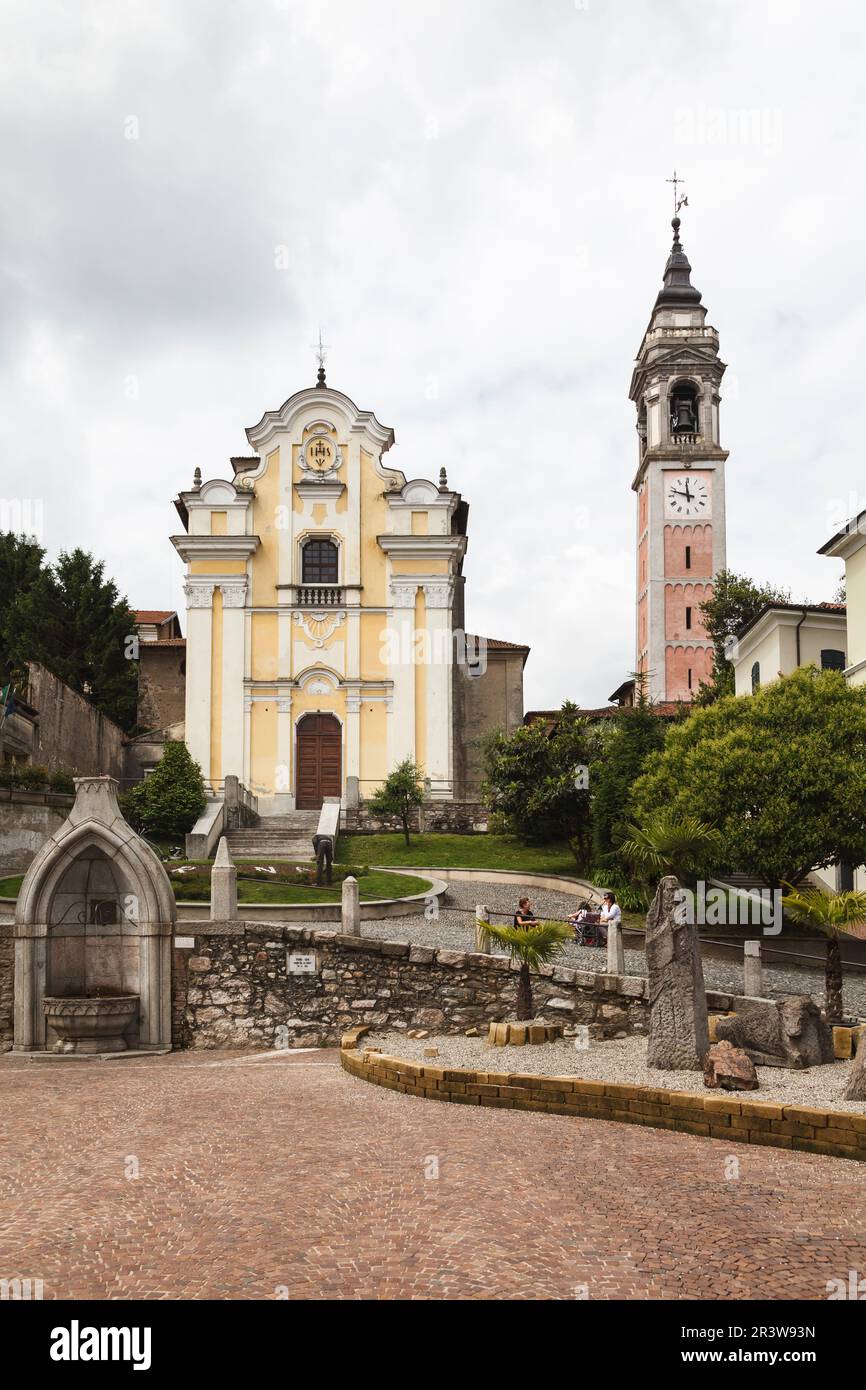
(752, 971)
(24, 993)
(223, 886)
(199, 636)
(437, 602)
(615, 956)
(233, 671)
(352, 776)
(482, 921)
(678, 1037)
(401, 724)
(350, 915)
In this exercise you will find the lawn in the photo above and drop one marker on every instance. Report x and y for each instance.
(456, 852)
(372, 885)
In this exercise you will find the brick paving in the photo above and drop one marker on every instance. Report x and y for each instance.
(285, 1177)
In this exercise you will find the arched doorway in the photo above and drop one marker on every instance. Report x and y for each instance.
(319, 760)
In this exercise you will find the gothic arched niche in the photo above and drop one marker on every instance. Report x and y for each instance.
(94, 921)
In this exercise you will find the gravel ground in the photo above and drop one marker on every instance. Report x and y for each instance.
(622, 1060)
(455, 930)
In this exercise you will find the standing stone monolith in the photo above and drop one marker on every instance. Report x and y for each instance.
(482, 922)
(678, 1037)
(615, 953)
(753, 975)
(223, 885)
(856, 1088)
(350, 914)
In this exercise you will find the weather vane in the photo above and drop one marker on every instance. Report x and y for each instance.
(679, 202)
(321, 351)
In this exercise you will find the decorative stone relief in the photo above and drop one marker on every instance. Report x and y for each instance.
(319, 627)
(403, 593)
(234, 595)
(438, 595)
(199, 593)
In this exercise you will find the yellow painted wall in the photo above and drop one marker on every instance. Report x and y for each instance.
(374, 746)
(420, 525)
(372, 628)
(216, 565)
(265, 647)
(407, 564)
(265, 562)
(219, 523)
(263, 746)
(374, 522)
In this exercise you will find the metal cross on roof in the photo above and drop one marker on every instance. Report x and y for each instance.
(679, 202)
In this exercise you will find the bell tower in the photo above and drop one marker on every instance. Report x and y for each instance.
(680, 483)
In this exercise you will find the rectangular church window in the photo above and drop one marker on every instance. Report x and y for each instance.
(688, 557)
(688, 617)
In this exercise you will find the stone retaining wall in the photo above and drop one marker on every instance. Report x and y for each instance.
(453, 817)
(7, 976)
(240, 992)
(27, 818)
(831, 1132)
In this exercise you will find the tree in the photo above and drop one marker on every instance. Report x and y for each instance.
(400, 793)
(626, 745)
(735, 601)
(168, 803)
(781, 774)
(538, 780)
(667, 844)
(20, 566)
(532, 946)
(73, 620)
(831, 913)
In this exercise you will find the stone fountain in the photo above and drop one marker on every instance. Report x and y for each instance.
(93, 936)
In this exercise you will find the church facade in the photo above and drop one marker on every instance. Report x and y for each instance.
(680, 485)
(325, 628)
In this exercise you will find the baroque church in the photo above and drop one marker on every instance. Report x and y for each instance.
(325, 624)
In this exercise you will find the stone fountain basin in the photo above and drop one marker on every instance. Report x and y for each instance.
(89, 1023)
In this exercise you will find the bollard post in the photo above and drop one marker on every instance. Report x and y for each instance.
(350, 912)
(482, 922)
(223, 885)
(753, 982)
(615, 955)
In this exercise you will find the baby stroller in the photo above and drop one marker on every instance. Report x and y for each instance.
(588, 930)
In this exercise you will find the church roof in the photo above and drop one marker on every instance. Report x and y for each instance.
(677, 287)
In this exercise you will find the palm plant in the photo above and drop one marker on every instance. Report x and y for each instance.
(831, 913)
(670, 844)
(532, 946)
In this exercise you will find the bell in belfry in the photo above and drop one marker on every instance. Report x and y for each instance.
(683, 417)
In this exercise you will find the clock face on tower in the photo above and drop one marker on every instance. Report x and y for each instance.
(687, 497)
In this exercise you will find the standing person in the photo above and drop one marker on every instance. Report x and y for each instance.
(524, 916)
(611, 912)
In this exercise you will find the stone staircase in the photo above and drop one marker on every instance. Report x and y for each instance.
(276, 837)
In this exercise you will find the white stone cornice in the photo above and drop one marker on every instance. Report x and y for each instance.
(424, 547)
(327, 403)
(215, 547)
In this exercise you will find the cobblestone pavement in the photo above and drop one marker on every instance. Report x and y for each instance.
(285, 1177)
(455, 929)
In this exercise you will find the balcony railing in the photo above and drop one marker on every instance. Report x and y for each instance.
(319, 596)
(687, 441)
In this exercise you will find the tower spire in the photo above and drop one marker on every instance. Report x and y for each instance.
(677, 287)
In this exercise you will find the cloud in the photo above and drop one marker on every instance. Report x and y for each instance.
(470, 200)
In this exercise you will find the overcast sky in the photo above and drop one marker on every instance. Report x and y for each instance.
(469, 196)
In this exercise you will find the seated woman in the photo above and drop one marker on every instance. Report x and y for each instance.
(524, 916)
